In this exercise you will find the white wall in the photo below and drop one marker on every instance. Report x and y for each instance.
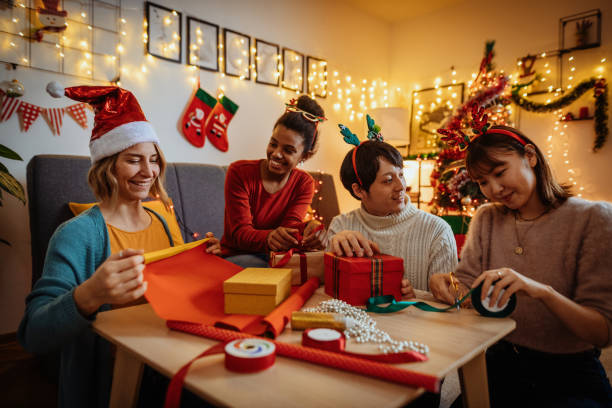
(426, 47)
(320, 28)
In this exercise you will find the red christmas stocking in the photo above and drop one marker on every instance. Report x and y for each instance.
(216, 124)
(193, 120)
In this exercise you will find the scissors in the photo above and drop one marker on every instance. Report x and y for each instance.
(455, 285)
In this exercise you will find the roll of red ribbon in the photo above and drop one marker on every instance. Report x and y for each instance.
(324, 339)
(249, 355)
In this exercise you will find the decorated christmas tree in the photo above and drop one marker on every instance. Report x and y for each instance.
(453, 189)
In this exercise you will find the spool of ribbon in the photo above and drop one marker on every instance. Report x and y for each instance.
(324, 339)
(372, 305)
(249, 355)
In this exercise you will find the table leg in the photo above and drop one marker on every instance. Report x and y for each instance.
(126, 380)
(474, 385)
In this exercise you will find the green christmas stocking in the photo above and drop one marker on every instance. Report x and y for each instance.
(216, 124)
(198, 110)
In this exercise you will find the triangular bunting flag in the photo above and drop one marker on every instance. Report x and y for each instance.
(54, 117)
(7, 107)
(77, 112)
(28, 113)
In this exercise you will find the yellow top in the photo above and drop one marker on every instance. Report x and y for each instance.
(152, 238)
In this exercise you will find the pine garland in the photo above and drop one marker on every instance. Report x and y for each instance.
(601, 106)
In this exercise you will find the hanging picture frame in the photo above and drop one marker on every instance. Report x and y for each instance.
(202, 44)
(580, 31)
(431, 107)
(316, 76)
(543, 69)
(237, 54)
(293, 70)
(267, 63)
(164, 31)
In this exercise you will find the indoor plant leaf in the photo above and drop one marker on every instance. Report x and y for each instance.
(8, 153)
(10, 184)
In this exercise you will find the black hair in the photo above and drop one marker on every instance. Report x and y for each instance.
(480, 160)
(298, 123)
(367, 162)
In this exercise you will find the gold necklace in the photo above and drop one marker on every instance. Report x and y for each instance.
(520, 249)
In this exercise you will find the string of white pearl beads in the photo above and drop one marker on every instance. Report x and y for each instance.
(364, 329)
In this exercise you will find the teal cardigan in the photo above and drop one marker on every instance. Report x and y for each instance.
(52, 321)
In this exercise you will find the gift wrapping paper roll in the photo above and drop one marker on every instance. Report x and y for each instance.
(324, 339)
(249, 355)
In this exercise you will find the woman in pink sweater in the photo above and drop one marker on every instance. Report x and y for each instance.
(553, 251)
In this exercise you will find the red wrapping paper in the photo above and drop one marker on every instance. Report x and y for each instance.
(189, 287)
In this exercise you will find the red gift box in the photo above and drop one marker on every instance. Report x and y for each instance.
(354, 280)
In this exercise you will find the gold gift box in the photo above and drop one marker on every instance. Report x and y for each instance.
(256, 291)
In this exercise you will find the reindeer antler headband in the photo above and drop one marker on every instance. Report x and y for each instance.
(292, 107)
(352, 139)
(453, 135)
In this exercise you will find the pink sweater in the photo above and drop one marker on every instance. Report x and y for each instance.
(569, 249)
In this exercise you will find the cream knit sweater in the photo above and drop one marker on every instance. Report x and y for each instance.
(569, 249)
(424, 241)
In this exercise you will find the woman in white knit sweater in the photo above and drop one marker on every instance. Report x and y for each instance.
(551, 250)
(386, 221)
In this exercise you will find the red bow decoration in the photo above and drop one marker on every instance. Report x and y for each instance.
(454, 136)
(599, 87)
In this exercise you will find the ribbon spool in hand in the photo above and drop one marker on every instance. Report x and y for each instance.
(249, 355)
(484, 308)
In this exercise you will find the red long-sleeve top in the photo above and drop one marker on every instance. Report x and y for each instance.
(251, 213)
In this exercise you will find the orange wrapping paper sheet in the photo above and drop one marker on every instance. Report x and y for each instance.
(188, 286)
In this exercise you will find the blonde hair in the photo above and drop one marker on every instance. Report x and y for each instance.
(101, 178)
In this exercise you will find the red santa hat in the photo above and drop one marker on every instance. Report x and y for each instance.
(118, 123)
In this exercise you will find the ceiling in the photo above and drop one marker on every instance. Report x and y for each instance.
(393, 11)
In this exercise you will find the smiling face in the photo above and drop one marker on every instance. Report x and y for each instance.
(387, 193)
(284, 151)
(136, 169)
(512, 182)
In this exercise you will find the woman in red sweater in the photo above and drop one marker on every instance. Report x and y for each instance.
(266, 200)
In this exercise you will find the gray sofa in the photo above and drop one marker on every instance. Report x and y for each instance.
(195, 189)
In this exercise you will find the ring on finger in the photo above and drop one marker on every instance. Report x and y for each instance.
(499, 274)
(121, 254)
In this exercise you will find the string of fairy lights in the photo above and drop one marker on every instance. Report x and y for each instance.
(73, 46)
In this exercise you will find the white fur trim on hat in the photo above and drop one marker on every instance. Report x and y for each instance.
(55, 89)
(120, 138)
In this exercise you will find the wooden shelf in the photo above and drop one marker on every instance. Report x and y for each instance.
(578, 119)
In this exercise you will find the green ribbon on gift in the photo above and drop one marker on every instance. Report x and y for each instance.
(373, 304)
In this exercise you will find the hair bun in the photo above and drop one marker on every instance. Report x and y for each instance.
(306, 103)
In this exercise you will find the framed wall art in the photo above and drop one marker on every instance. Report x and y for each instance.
(267, 63)
(202, 44)
(164, 30)
(293, 70)
(431, 107)
(316, 76)
(237, 54)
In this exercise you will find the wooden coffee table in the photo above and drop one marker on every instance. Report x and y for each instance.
(456, 340)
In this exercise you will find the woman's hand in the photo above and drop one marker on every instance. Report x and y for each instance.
(282, 239)
(511, 281)
(213, 245)
(313, 239)
(353, 242)
(407, 289)
(117, 281)
(441, 286)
